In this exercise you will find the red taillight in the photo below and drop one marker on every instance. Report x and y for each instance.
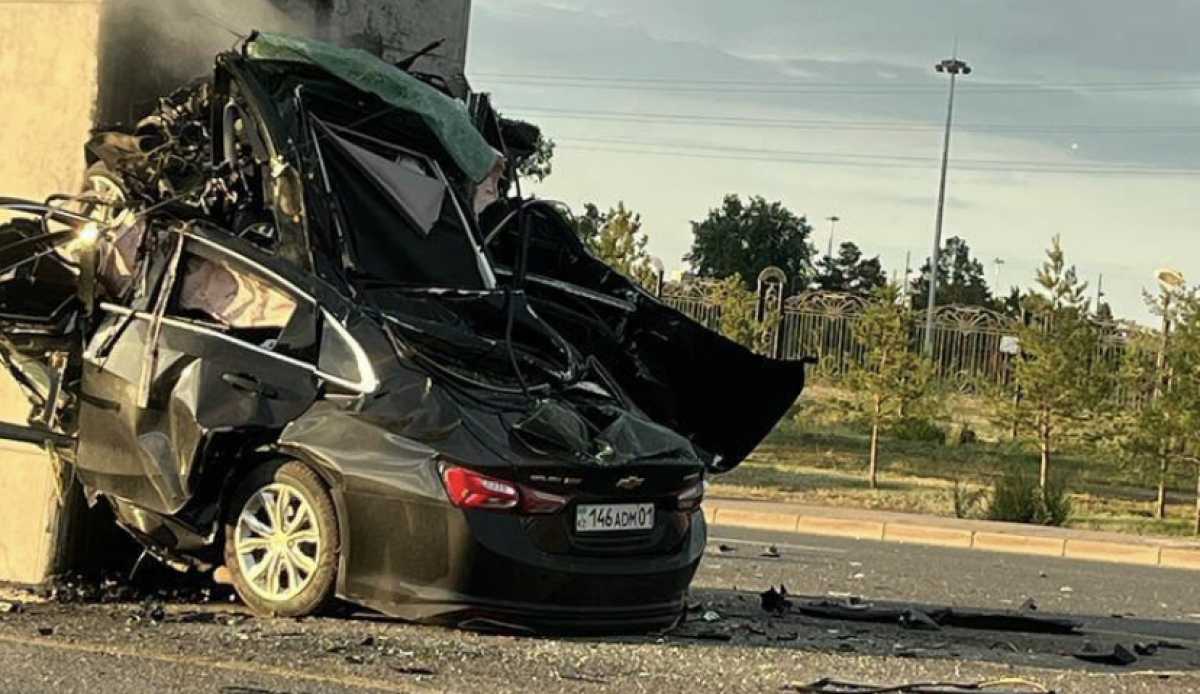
(690, 498)
(469, 489)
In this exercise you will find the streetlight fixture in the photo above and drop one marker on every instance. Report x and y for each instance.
(832, 224)
(660, 274)
(1169, 281)
(1169, 278)
(954, 67)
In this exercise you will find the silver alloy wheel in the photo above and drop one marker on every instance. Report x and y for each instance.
(277, 542)
(107, 194)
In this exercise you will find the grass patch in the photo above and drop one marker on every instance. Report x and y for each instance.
(823, 460)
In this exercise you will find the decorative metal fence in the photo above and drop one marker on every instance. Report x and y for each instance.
(694, 299)
(966, 340)
(966, 343)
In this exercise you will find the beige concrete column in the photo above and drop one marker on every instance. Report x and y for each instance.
(68, 65)
(48, 69)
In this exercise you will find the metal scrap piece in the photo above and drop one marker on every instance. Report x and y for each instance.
(832, 686)
(983, 620)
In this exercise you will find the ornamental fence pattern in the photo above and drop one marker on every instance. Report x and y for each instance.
(967, 340)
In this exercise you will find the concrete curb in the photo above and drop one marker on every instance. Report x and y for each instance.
(995, 537)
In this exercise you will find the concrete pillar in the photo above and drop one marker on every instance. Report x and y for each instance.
(68, 66)
(49, 71)
(180, 38)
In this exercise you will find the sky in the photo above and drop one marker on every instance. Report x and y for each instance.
(1081, 118)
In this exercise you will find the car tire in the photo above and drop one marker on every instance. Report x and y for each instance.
(282, 540)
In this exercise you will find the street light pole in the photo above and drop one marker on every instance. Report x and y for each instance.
(954, 67)
(832, 223)
(1169, 282)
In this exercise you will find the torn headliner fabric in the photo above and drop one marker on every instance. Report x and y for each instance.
(446, 117)
(416, 194)
(384, 238)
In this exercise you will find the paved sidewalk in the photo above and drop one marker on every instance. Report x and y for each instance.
(1015, 538)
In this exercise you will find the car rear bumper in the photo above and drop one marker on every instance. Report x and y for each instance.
(493, 577)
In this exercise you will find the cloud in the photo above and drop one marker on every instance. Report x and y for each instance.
(860, 46)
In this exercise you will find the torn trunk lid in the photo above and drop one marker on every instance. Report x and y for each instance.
(719, 395)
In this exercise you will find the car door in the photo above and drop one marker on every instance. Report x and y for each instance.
(226, 346)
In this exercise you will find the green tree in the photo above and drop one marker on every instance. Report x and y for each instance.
(1140, 426)
(539, 163)
(739, 322)
(1012, 304)
(743, 238)
(1147, 431)
(960, 280)
(589, 224)
(1059, 387)
(893, 378)
(850, 272)
(616, 237)
(1180, 401)
(531, 152)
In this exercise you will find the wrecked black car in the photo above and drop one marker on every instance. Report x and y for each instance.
(293, 333)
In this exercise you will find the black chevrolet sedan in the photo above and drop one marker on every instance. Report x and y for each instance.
(295, 333)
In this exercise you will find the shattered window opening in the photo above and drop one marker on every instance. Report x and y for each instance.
(338, 357)
(375, 182)
(231, 297)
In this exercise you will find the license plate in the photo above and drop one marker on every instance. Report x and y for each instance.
(598, 518)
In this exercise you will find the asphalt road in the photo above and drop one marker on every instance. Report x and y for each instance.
(214, 647)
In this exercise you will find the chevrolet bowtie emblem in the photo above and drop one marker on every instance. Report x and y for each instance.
(630, 482)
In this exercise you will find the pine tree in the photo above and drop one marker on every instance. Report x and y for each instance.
(893, 378)
(1160, 377)
(1059, 346)
(616, 237)
(1141, 427)
(1180, 402)
(739, 322)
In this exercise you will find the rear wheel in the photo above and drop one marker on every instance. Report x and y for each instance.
(281, 540)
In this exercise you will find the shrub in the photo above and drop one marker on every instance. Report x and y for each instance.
(1056, 501)
(917, 429)
(967, 500)
(1014, 497)
(1017, 498)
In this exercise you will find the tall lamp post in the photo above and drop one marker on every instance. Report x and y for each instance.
(954, 67)
(832, 224)
(1170, 281)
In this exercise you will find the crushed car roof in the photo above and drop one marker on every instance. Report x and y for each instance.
(446, 117)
